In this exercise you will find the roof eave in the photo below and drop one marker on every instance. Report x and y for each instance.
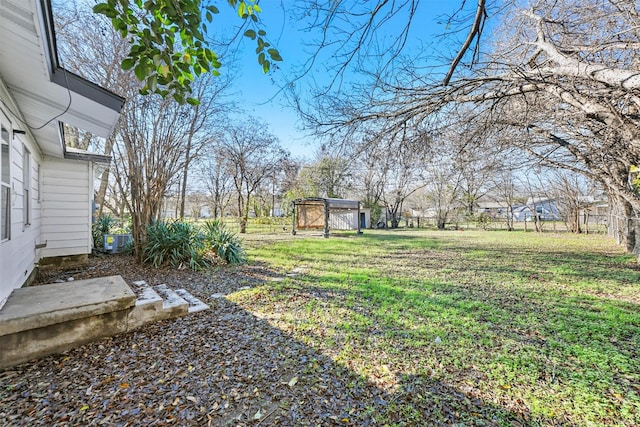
(67, 79)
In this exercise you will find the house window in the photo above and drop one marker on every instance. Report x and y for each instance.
(26, 185)
(5, 183)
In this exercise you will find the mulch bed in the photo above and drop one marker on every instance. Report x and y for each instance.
(223, 366)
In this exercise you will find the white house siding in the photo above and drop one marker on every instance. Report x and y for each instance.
(18, 254)
(66, 207)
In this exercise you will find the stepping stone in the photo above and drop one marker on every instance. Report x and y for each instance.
(173, 305)
(195, 304)
(299, 270)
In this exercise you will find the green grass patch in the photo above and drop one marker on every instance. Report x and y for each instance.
(543, 328)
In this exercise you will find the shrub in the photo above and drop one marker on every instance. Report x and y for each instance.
(223, 242)
(104, 224)
(482, 220)
(175, 243)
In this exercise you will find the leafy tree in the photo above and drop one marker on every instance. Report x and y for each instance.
(168, 44)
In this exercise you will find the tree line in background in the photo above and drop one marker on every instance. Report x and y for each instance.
(549, 107)
(556, 84)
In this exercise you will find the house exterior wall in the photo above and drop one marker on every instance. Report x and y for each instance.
(67, 190)
(18, 253)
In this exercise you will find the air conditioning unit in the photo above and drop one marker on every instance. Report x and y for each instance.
(115, 243)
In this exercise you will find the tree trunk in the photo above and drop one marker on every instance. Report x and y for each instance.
(241, 217)
(185, 171)
(104, 179)
(623, 225)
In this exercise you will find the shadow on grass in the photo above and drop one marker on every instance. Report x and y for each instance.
(221, 367)
(583, 348)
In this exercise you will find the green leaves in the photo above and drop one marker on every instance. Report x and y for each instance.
(178, 243)
(224, 243)
(168, 45)
(248, 10)
(274, 54)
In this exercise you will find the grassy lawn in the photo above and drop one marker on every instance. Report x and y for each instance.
(541, 329)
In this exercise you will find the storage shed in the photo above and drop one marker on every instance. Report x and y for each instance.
(327, 214)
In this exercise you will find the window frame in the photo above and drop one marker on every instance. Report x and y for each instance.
(26, 186)
(5, 186)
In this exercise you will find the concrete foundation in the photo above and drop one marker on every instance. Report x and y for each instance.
(41, 320)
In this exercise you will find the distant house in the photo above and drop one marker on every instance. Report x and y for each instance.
(46, 189)
(546, 209)
(492, 206)
(522, 213)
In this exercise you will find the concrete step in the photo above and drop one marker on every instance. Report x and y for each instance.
(41, 320)
(173, 305)
(195, 304)
(161, 302)
(148, 307)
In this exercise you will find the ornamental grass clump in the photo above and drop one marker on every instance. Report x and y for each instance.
(180, 244)
(223, 242)
(176, 244)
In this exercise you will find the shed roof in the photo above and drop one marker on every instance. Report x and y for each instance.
(331, 203)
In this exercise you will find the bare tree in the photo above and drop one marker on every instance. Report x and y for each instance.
(150, 150)
(443, 191)
(561, 84)
(478, 155)
(370, 178)
(404, 176)
(251, 156)
(97, 58)
(348, 32)
(216, 179)
(572, 193)
(204, 119)
(503, 185)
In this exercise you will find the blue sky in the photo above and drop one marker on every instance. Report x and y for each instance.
(257, 93)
